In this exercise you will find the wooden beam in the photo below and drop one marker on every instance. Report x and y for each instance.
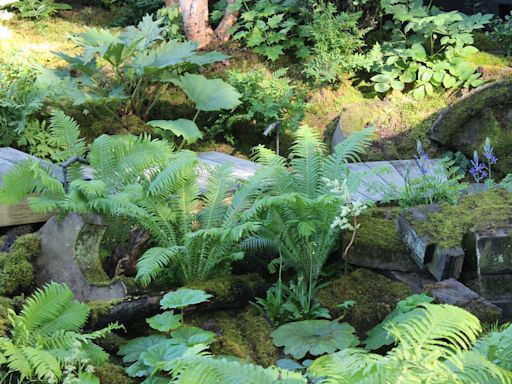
(20, 214)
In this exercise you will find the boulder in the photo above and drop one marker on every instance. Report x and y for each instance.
(483, 112)
(446, 262)
(489, 251)
(70, 255)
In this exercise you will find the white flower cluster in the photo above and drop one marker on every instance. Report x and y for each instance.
(349, 208)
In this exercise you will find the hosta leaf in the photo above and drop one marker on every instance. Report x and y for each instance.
(382, 87)
(449, 81)
(398, 85)
(382, 78)
(209, 95)
(315, 337)
(419, 93)
(165, 322)
(181, 127)
(183, 298)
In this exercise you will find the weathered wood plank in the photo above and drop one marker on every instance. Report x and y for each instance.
(223, 158)
(386, 171)
(20, 214)
(370, 182)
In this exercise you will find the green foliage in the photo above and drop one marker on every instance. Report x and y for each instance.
(501, 34)
(46, 332)
(16, 271)
(379, 335)
(184, 297)
(271, 27)
(266, 98)
(19, 99)
(133, 67)
(496, 346)
(427, 49)
(39, 9)
(299, 208)
(295, 302)
(433, 345)
(336, 42)
(316, 337)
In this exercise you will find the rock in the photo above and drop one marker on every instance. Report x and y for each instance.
(483, 112)
(489, 251)
(415, 281)
(379, 245)
(446, 262)
(421, 245)
(70, 255)
(338, 136)
(453, 292)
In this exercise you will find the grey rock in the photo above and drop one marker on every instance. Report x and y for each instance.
(415, 281)
(338, 136)
(421, 246)
(453, 292)
(446, 263)
(489, 251)
(70, 255)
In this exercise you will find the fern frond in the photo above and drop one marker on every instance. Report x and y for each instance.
(42, 362)
(65, 135)
(154, 260)
(71, 318)
(218, 188)
(353, 146)
(181, 169)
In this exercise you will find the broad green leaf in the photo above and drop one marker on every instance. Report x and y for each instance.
(382, 87)
(209, 95)
(419, 93)
(382, 78)
(183, 298)
(192, 335)
(398, 85)
(316, 337)
(181, 127)
(449, 81)
(132, 350)
(165, 322)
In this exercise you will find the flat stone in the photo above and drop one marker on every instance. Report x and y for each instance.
(70, 255)
(415, 281)
(421, 246)
(446, 263)
(338, 136)
(492, 287)
(488, 251)
(453, 292)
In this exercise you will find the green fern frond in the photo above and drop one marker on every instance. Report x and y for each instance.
(65, 135)
(154, 260)
(41, 362)
(181, 169)
(218, 188)
(354, 145)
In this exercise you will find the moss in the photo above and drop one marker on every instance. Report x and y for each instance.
(243, 334)
(223, 288)
(113, 374)
(16, 271)
(375, 296)
(100, 308)
(381, 222)
(5, 304)
(447, 227)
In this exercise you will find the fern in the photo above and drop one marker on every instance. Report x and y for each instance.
(46, 331)
(434, 345)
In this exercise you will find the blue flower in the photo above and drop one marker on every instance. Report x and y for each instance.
(478, 170)
(489, 152)
(421, 159)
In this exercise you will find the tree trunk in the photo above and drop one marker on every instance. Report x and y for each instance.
(229, 19)
(195, 21)
(169, 3)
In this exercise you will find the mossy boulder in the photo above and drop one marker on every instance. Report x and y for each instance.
(16, 271)
(113, 374)
(484, 112)
(242, 334)
(5, 304)
(375, 296)
(378, 243)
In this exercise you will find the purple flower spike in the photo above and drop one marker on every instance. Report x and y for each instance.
(478, 170)
(421, 159)
(489, 152)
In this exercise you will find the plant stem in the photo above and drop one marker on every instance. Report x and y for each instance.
(345, 253)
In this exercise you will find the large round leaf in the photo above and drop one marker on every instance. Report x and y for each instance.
(315, 337)
(181, 127)
(192, 335)
(165, 322)
(183, 298)
(208, 95)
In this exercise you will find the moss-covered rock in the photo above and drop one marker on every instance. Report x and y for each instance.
(5, 304)
(484, 112)
(375, 296)
(241, 334)
(16, 271)
(232, 287)
(378, 243)
(113, 374)
(484, 211)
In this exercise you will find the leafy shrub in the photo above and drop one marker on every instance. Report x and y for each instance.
(502, 34)
(266, 98)
(271, 27)
(433, 343)
(19, 98)
(336, 42)
(39, 9)
(44, 335)
(134, 67)
(427, 49)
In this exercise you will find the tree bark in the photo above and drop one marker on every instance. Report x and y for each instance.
(228, 20)
(195, 21)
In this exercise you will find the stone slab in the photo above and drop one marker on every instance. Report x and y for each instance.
(70, 255)
(488, 251)
(446, 263)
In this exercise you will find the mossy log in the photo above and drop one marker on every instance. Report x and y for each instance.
(231, 292)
